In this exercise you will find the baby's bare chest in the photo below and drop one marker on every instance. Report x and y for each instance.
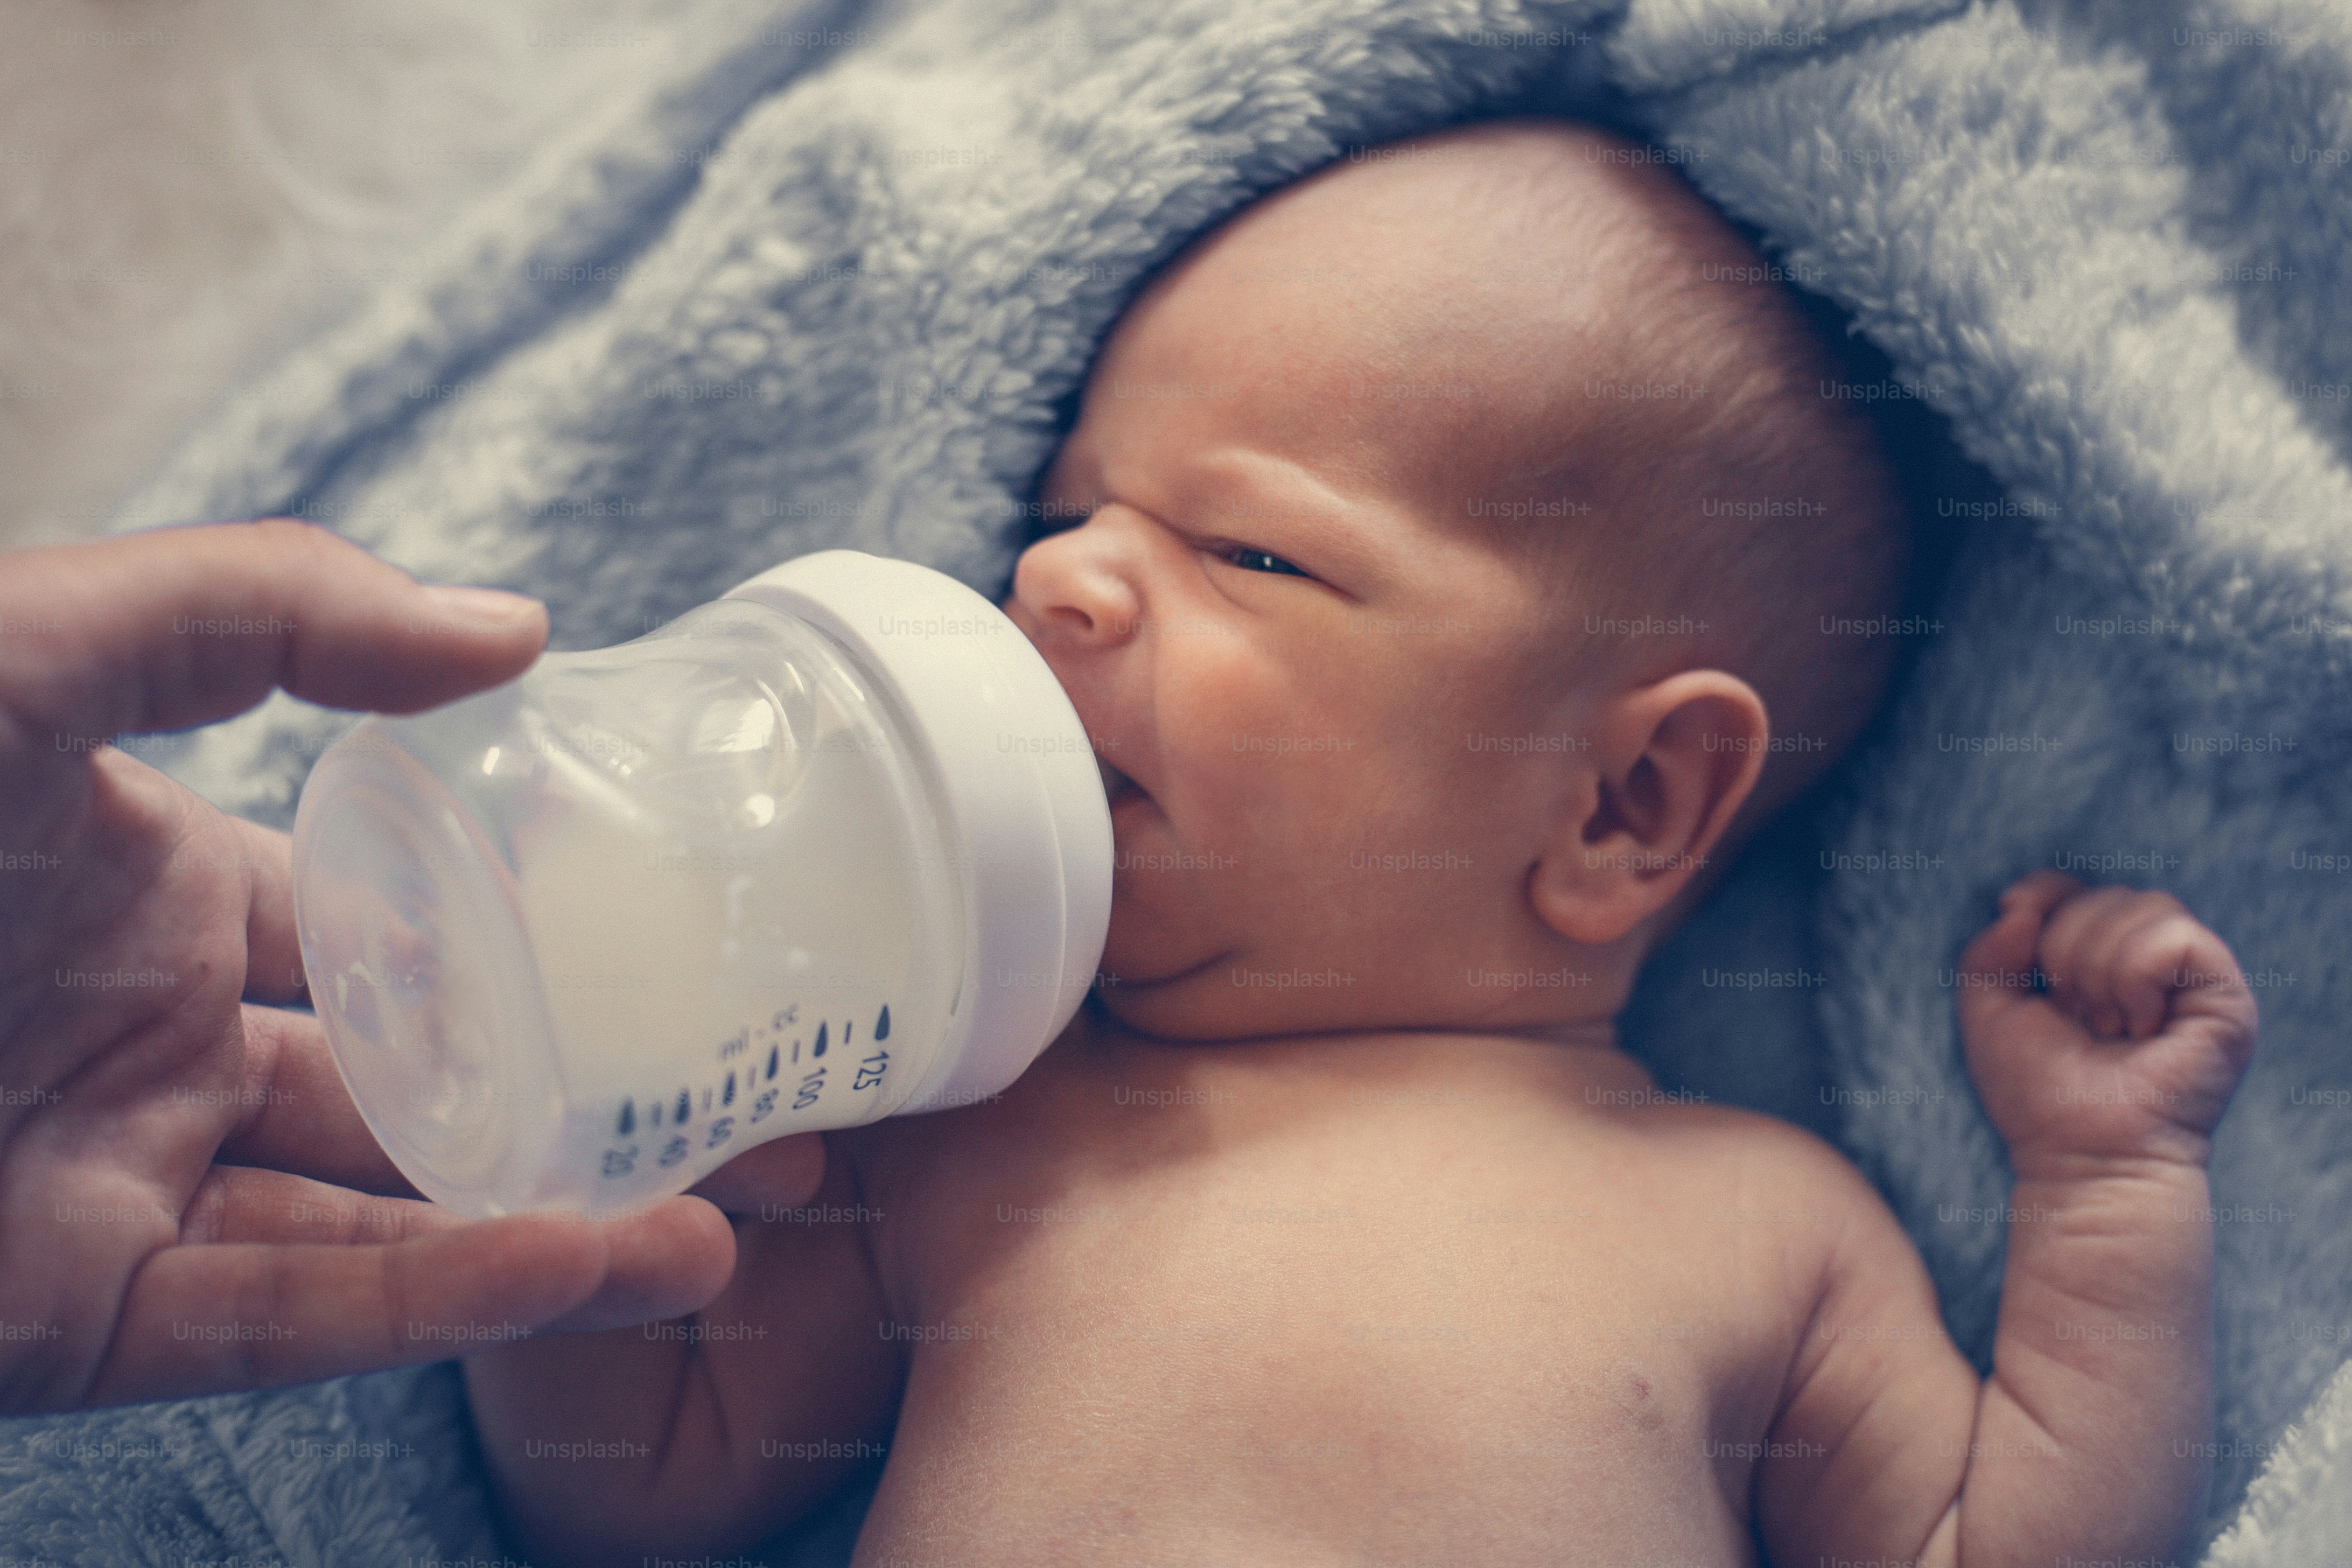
(1399, 1330)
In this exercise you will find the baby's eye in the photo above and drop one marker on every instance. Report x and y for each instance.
(1251, 560)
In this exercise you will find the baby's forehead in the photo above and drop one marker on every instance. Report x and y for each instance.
(1543, 219)
(1504, 311)
(1499, 265)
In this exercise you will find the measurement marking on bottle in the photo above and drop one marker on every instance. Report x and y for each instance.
(622, 1160)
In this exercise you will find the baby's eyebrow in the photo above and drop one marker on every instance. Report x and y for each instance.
(1263, 499)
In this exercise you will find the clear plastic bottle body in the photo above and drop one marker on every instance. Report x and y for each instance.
(579, 940)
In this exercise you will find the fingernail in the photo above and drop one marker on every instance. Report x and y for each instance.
(485, 609)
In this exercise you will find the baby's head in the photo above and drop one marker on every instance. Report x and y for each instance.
(1465, 529)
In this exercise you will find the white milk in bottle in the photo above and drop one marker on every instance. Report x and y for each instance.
(579, 940)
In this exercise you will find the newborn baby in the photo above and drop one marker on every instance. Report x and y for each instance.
(1460, 529)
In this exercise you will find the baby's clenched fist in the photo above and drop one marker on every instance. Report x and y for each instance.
(2103, 1023)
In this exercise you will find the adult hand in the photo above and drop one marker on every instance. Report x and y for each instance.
(189, 1202)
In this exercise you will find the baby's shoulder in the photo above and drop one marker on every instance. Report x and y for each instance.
(1734, 1133)
(1760, 1163)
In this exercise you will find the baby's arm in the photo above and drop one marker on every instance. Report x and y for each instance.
(2090, 1439)
(701, 1436)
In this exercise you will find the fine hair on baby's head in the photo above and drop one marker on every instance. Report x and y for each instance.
(1473, 553)
(1723, 482)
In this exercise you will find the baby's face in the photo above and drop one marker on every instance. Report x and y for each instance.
(1279, 621)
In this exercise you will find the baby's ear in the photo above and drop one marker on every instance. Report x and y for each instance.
(1671, 765)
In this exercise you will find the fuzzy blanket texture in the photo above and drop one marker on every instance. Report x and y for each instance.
(838, 281)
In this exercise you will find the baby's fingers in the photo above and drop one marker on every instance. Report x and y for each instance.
(2164, 951)
(2079, 949)
(1998, 969)
(2200, 979)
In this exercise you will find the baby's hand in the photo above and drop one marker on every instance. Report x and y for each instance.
(2134, 1041)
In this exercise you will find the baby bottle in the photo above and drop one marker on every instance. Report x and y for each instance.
(831, 847)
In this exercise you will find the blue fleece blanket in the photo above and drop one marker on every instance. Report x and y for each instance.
(839, 287)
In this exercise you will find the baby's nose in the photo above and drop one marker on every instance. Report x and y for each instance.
(1077, 587)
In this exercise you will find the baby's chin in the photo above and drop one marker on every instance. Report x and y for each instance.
(1195, 987)
(1162, 974)
(1176, 1011)
(1152, 947)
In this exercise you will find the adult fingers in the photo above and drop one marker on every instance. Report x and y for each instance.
(178, 626)
(273, 951)
(238, 1204)
(214, 1318)
(653, 1256)
(295, 1114)
(671, 1258)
